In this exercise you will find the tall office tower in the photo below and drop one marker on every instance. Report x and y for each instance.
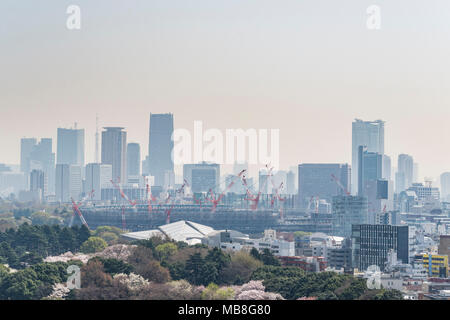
(38, 181)
(98, 177)
(70, 147)
(316, 180)
(369, 134)
(68, 182)
(370, 168)
(405, 172)
(415, 172)
(26, 147)
(371, 244)
(133, 160)
(202, 176)
(76, 182)
(114, 152)
(387, 168)
(445, 186)
(348, 210)
(42, 158)
(370, 182)
(290, 182)
(160, 146)
(62, 182)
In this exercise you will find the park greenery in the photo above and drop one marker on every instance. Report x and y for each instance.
(151, 269)
(157, 268)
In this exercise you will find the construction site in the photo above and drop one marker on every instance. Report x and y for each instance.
(250, 213)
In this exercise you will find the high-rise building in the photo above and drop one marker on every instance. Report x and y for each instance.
(68, 182)
(133, 160)
(387, 168)
(42, 158)
(98, 177)
(316, 180)
(62, 182)
(348, 210)
(202, 176)
(371, 244)
(290, 182)
(405, 173)
(415, 172)
(26, 147)
(369, 134)
(160, 146)
(70, 147)
(370, 168)
(114, 152)
(38, 181)
(370, 182)
(445, 186)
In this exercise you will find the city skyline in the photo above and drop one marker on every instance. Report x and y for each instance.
(287, 78)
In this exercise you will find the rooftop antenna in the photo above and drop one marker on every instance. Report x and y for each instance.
(96, 139)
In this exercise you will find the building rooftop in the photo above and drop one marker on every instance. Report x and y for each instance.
(187, 231)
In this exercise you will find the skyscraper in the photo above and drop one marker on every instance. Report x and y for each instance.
(160, 146)
(62, 182)
(42, 158)
(68, 182)
(316, 180)
(133, 159)
(26, 146)
(369, 134)
(405, 173)
(70, 146)
(114, 152)
(98, 176)
(38, 181)
(202, 176)
(445, 186)
(371, 183)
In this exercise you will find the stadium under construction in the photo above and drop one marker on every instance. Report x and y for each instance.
(246, 220)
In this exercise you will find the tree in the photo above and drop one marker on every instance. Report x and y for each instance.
(269, 259)
(255, 253)
(218, 258)
(240, 268)
(83, 234)
(114, 266)
(388, 295)
(93, 244)
(93, 275)
(200, 272)
(213, 292)
(166, 250)
(154, 272)
(140, 255)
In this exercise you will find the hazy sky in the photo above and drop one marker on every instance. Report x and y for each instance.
(307, 67)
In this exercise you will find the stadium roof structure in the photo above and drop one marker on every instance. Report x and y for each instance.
(187, 231)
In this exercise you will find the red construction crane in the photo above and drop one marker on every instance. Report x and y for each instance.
(277, 195)
(76, 209)
(253, 198)
(340, 184)
(215, 201)
(122, 194)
